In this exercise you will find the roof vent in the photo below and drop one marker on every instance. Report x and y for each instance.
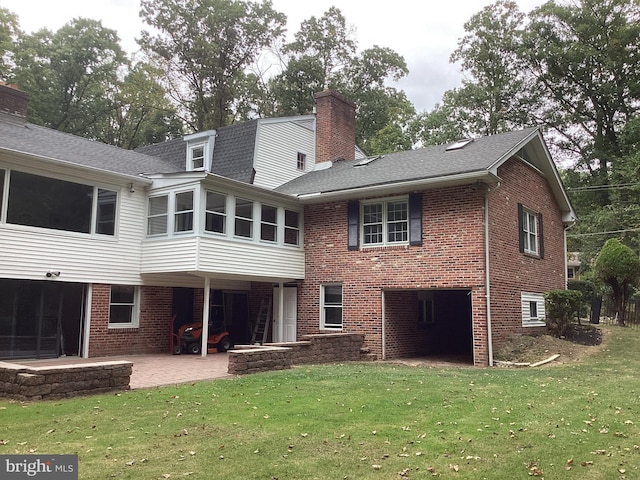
(366, 161)
(459, 144)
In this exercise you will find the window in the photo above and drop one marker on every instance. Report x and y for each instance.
(183, 212)
(331, 314)
(425, 310)
(37, 201)
(244, 218)
(533, 312)
(216, 216)
(302, 161)
(291, 227)
(268, 223)
(2, 174)
(571, 273)
(157, 217)
(123, 306)
(385, 222)
(106, 212)
(196, 157)
(530, 230)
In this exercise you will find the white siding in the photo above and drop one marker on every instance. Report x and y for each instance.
(526, 299)
(277, 147)
(28, 253)
(223, 258)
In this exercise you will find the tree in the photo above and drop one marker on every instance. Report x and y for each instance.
(142, 114)
(618, 267)
(9, 33)
(205, 47)
(490, 99)
(583, 58)
(323, 55)
(70, 75)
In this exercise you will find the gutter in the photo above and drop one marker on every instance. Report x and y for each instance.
(137, 179)
(381, 189)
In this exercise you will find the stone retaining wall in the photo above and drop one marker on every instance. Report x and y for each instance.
(319, 348)
(22, 382)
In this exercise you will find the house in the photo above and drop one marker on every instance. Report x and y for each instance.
(441, 250)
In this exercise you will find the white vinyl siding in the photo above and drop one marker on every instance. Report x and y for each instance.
(218, 255)
(30, 252)
(533, 312)
(277, 147)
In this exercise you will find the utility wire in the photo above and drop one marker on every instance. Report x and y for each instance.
(603, 233)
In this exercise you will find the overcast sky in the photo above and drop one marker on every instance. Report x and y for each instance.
(423, 32)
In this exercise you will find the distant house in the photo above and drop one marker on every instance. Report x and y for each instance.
(444, 250)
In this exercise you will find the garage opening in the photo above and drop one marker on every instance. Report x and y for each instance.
(428, 323)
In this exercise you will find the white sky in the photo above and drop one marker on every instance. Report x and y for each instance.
(424, 32)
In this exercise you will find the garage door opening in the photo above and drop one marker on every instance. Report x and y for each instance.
(428, 323)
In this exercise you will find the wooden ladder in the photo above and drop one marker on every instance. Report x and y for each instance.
(261, 328)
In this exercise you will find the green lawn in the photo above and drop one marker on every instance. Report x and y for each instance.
(357, 421)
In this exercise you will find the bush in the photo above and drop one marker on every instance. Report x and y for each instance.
(588, 290)
(561, 307)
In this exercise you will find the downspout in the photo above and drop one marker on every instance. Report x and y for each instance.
(205, 318)
(487, 281)
(87, 321)
(384, 343)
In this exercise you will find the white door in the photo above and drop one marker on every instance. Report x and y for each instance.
(288, 331)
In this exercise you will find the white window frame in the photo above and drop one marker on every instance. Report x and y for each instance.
(384, 222)
(291, 230)
(222, 215)
(530, 232)
(265, 224)
(301, 163)
(164, 214)
(249, 220)
(135, 309)
(528, 299)
(188, 212)
(324, 306)
(200, 158)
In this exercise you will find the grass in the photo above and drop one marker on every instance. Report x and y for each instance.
(357, 421)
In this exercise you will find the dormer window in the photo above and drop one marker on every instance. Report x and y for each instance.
(196, 157)
(199, 150)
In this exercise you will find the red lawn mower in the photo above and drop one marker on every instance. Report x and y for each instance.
(189, 338)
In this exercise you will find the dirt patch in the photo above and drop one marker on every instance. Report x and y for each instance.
(580, 341)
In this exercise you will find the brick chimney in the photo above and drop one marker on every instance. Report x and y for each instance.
(13, 103)
(335, 127)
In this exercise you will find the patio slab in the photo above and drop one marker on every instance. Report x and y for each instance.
(154, 370)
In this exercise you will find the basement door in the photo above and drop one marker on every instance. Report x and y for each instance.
(288, 333)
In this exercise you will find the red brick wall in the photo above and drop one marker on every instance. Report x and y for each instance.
(452, 256)
(335, 127)
(513, 272)
(13, 101)
(152, 334)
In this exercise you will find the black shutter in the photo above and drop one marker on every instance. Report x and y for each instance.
(353, 214)
(521, 227)
(415, 219)
(540, 236)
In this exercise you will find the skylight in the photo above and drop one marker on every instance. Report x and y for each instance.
(366, 161)
(459, 144)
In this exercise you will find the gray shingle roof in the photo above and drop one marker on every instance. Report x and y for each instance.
(232, 153)
(36, 140)
(424, 163)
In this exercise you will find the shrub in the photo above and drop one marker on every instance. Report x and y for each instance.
(561, 307)
(588, 290)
